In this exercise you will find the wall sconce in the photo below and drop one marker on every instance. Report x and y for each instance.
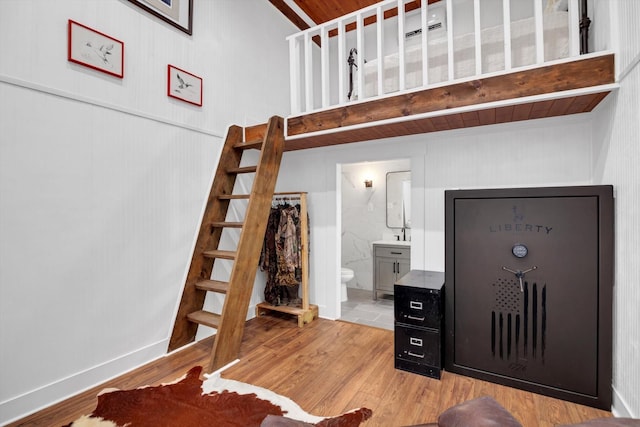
(368, 183)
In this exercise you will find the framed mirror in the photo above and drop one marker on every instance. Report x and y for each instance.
(399, 199)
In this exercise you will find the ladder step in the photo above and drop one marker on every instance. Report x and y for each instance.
(233, 196)
(249, 145)
(213, 286)
(206, 318)
(224, 224)
(220, 254)
(245, 169)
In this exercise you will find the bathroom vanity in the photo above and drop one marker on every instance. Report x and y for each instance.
(391, 261)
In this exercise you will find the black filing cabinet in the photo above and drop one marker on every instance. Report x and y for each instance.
(418, 309)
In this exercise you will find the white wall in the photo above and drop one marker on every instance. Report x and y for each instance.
(616, 157)
(103, 180)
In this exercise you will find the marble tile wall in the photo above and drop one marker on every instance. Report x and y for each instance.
(364, 216)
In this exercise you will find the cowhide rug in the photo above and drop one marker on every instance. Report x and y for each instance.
(218, 402)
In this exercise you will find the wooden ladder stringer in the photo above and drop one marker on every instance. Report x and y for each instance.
(238, 290)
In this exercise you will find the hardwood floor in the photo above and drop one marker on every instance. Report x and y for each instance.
(329, 367)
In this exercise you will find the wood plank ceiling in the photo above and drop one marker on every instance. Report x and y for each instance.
(320, 11)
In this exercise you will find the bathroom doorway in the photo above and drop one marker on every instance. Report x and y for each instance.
(363, 218)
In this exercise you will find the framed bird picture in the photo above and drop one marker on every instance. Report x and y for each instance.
(184, 86)
(94, 49)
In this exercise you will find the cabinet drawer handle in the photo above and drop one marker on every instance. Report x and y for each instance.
(415, 341)
(410, 353)
(420, 319)
(416, 305)
(396, 253)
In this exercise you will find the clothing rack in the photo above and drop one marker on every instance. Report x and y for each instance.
(308, 312)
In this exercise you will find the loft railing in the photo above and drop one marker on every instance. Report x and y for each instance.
(321, 77)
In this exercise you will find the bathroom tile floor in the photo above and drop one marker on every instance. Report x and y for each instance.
(361, 308)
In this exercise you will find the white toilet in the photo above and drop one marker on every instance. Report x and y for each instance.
(346, 274)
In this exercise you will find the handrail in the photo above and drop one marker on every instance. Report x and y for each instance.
(318, 71)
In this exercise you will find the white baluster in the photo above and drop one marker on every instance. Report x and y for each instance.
(539, 31)
(574, 28)
(380, 35)
(342, 61)
(506, 20)
(450, 38)
(294, 72)
(401, 66)
(360, 56)
(324, 60)
(478, 36)
(425, 30)
(308, 71)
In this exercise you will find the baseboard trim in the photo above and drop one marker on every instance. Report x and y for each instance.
(25, 404)
(619, 407)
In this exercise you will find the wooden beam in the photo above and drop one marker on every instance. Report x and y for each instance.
(548, 79)
(359, 119)
(283, 7)
(512, 113)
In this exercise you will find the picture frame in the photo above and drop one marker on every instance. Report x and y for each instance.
(94, 49)
(184, 85)
(178, 13)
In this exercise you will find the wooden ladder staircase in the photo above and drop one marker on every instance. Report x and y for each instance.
(269, 139)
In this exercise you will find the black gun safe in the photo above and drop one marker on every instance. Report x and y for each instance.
(529, 276)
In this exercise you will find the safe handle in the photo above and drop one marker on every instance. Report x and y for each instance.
(520, 274)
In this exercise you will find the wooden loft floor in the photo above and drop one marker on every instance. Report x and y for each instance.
(553, 90)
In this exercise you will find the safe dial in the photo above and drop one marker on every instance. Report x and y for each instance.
(519, 250)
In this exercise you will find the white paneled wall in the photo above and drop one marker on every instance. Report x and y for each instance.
(103, 180)
(98, 212)
(628, 49)
(616, 159)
